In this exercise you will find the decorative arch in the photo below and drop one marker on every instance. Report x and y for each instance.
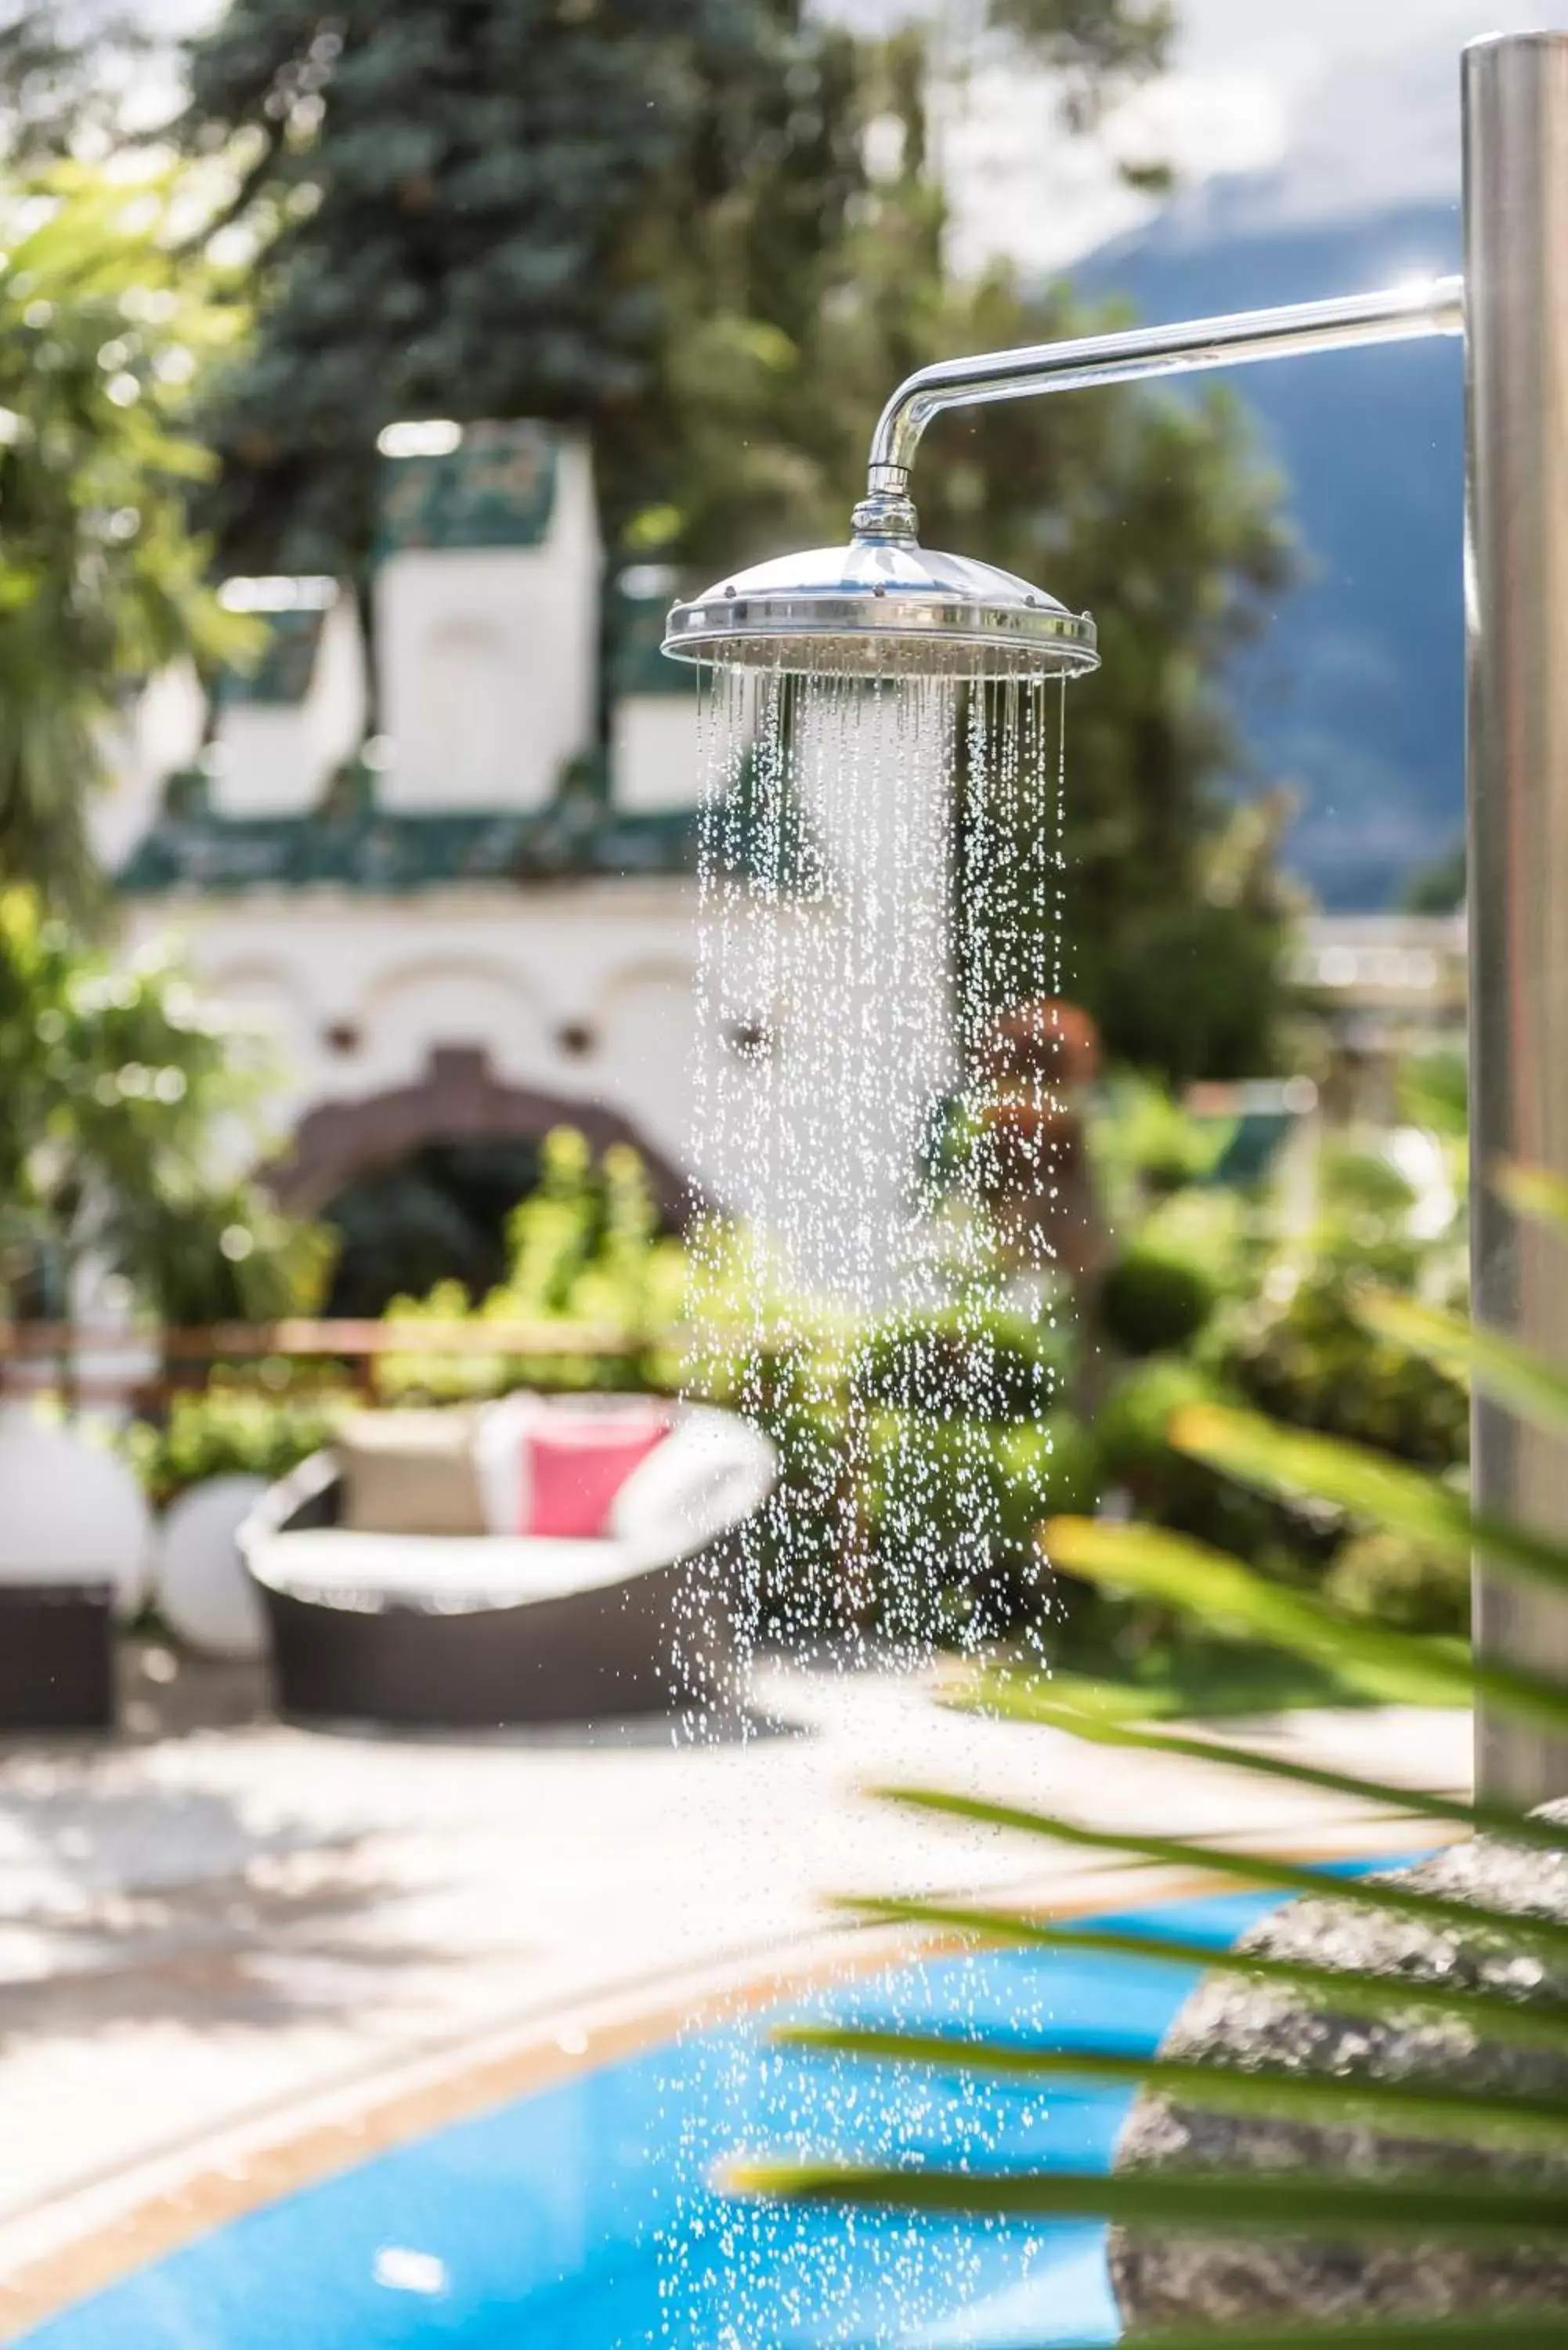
(628, 979)
(404, 975)
(457, 1098)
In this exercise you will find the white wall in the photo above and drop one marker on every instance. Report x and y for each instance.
(655, 753)
(505, 969)
(274, 759)
(488, 657)
(160, 732)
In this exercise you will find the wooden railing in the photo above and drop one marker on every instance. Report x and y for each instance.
(41, 1348)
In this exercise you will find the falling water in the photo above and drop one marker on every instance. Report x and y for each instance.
(882, 875)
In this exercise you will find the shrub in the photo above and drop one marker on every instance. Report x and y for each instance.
(991, 1365)
(1309, 1362)
(953, 1510)
(584, 1247)
(227, 1431)
(1384, 1579)
(1290, 1543)
(1130, 1426)
(945, 1488)
(802, 1551)
(1153, 1300)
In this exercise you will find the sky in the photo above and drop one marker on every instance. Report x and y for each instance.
(1360, 95)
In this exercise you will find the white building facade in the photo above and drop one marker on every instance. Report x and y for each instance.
(416, 873)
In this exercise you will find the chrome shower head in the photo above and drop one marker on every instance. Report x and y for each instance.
(882, 606)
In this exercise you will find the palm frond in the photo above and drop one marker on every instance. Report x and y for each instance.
(1496, 2016)
(1512, 1375)
(1108, 1729)
(1476, 2212)
(1467, 2117)
(1392, 1896)
(1512, 2008)
(1225, 1594)
(1534, 1193)
(1292, 1464)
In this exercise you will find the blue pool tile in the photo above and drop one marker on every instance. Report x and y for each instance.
(584, 2218)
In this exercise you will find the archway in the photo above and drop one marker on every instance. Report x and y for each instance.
(419, 1179)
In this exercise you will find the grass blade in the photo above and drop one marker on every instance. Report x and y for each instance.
(1398, 2109)
(1435, 1910)
(1475, 2211)
(1226, 1595)
(1489, 2015)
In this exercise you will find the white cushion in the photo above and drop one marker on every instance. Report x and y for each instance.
(500, 1461)
(454, 1573)
(70, 1509)
(202, 1588)
(710, 1473)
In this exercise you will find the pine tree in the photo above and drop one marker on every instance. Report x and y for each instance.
(660, 221)
(465, 197)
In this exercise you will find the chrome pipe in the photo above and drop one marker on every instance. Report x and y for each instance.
(1516, 599)
(1399, 314)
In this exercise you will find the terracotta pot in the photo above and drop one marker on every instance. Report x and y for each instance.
(1048, 1040)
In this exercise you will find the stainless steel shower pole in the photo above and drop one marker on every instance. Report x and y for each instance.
(1516, 602)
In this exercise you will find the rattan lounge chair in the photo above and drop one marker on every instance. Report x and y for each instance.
(465, 1631)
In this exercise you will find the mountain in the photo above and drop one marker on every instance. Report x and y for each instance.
(1356, 696)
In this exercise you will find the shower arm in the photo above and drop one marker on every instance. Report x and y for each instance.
(1399, 314)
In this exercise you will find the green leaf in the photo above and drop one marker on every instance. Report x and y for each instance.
(1342, 2101)
(1216, 2202)
(1392, 1895)
(1223, 1593)
(1512, 1374)
(1292, 1463)
(1101, 1727)
(1531, 1191)
(1491, 2015)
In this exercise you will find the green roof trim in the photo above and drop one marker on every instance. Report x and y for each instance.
(349, 843)
(637, 666)
(382, 854)
(281, 679)
(497, 488)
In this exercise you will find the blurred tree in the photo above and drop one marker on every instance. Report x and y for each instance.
(64, 72)
(115, 1085)
(102, 331)
(1149, 510)
(452, 196)
(1438, 887)
(713, 231)
(564, 208)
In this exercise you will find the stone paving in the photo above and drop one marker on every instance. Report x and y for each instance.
(214, 1918)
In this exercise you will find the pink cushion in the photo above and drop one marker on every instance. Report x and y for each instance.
(575, 1467)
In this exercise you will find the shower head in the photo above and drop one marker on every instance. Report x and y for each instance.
(882, 606)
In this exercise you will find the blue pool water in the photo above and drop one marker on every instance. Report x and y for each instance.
(584, 2218)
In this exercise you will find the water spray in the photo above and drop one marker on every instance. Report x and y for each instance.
(883, 608)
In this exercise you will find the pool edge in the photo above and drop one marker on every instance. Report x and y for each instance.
(88, 2240)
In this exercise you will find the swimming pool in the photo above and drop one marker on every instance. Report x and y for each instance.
(584, 2217)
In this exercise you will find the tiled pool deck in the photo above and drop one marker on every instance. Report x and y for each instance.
(229, 1951)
